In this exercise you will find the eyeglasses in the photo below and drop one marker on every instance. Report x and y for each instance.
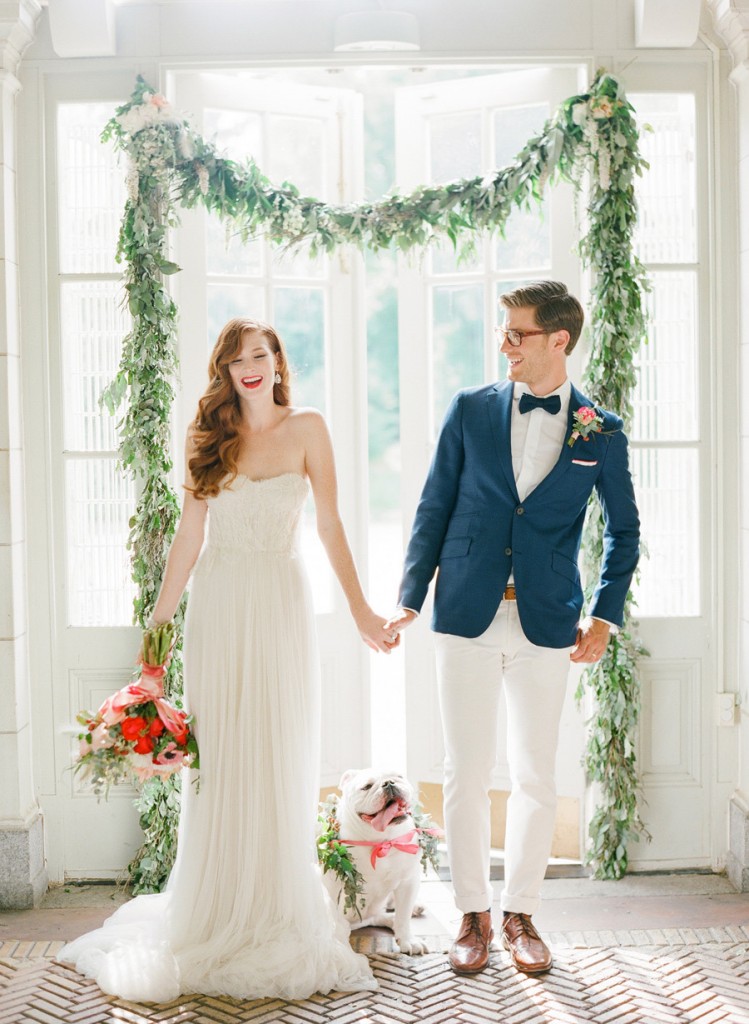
(515, 338)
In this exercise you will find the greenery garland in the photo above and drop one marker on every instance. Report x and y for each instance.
(170, 164)
(145, 383)
(617, 326)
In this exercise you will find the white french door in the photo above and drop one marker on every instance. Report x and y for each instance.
(80, 579)
(83, 645)
(448, 311)
(685, 755)
(311, 136)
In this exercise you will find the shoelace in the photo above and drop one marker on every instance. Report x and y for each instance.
(474, 925)
(526, 926)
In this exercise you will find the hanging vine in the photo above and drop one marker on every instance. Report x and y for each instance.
(617, 326)
(171, 165)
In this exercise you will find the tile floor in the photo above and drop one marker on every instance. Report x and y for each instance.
(658, 949)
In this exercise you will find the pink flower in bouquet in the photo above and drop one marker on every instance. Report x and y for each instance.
(171, 754)
(100, 737)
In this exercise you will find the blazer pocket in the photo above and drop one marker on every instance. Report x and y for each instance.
(564, 566)
(585, 462)
(462, 525)
(455, 547)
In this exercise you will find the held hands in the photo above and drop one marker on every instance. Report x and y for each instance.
(374, 631)
(592, 637)
(398, 622)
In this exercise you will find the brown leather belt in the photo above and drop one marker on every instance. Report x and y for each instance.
(509, 594)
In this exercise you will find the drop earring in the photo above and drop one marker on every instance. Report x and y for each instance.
(277, 378)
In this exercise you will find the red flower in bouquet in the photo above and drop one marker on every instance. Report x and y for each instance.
(137, 731)
(132, 726)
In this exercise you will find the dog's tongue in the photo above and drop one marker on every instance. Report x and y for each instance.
(382, 819)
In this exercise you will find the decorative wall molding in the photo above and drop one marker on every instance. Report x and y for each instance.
(18, 25)
(731, 21)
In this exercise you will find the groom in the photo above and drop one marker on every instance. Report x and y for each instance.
(500, 519)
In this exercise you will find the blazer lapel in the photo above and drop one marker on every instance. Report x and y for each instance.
(499, 400)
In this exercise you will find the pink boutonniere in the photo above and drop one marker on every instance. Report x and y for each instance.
(586, 421)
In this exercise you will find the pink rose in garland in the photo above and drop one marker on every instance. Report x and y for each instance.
(137, 731)
(585, 421)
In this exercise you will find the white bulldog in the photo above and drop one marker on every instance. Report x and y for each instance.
(374, 814)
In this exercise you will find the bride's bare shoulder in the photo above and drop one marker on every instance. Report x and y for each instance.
(305, 418)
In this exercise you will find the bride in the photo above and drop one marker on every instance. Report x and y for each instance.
(244, 913)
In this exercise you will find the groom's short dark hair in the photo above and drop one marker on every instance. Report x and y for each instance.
(553, 306)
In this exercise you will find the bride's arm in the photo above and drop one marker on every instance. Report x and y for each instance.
(320, 466)
(184, 550)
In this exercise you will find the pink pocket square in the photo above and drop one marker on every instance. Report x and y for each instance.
(584, 462)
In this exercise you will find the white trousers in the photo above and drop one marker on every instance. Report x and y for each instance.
(470, 675)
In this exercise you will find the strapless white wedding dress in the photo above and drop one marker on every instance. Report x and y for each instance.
(245, 913)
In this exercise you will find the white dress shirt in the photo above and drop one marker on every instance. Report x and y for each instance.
(536, 439)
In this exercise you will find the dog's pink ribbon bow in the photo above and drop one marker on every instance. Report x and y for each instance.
(403, 843)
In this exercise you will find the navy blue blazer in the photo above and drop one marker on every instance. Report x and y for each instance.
(471, 527)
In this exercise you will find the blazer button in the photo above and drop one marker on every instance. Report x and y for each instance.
(519, 511)
(508, 551)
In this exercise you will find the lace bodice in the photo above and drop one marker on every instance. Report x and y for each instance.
(257, 515)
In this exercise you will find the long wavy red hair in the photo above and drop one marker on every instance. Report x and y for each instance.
(215, 429)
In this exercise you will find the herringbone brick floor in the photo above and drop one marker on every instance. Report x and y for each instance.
(696, 980)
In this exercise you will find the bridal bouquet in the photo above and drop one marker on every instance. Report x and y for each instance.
(137, 732)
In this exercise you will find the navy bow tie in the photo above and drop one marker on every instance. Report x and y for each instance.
(551, 404)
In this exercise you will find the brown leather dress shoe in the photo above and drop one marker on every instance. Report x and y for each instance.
(528, 950)
(469, 953)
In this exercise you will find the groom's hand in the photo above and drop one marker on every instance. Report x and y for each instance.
(592, 637)
(398, 622)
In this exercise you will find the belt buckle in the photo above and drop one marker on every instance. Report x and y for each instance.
(509, 594)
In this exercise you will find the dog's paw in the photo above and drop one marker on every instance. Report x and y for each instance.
(418, 911)
(412, 946)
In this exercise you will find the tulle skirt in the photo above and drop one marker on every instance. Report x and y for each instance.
(245, 913)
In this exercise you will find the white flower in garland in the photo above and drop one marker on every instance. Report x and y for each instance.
(293, 221)
(154, 109)
(604, 168)
(132, 181)
(580, 113)
(185, 144)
